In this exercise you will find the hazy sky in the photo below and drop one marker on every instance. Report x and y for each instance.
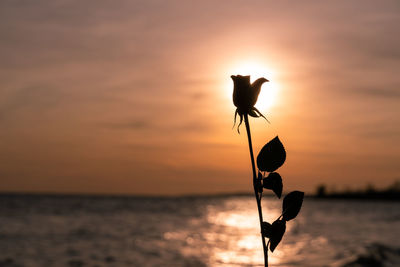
(135, 96)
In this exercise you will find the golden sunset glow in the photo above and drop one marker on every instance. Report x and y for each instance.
(137, 98)
(199, 133)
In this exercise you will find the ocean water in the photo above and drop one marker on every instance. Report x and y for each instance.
(192, 231)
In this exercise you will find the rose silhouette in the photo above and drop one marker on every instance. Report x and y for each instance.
(245, 96)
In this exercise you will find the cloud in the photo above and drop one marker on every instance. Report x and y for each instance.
(391, 93)
(144, 76)
(158, 126)
(135, 125)
(32, 99)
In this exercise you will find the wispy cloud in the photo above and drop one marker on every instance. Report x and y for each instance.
(391, 93)
(104, 86)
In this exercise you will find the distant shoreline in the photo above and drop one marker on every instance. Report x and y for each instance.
(390, 197)
(370, 193)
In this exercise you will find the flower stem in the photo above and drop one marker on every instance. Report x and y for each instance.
(258, 199)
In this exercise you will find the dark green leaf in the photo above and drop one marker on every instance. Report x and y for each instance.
(271, 156)
(292, 205)
(274, 182)
(278, 229)
(266, 229)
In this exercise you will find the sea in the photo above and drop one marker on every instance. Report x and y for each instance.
(56, 230)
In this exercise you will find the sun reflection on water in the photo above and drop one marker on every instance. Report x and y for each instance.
(225, 232)
(237, 226)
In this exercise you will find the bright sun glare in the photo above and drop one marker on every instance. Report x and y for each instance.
(269, 90)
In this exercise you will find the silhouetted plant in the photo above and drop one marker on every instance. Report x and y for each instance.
(271, 157)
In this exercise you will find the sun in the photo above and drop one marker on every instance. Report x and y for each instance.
(269, 90)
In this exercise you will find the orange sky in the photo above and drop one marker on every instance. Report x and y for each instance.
(135, 96)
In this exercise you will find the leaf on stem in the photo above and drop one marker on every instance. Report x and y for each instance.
(271, 156)
(274, 182)
(292, 204)
(258, 184)
(278, 229)
(266, 229)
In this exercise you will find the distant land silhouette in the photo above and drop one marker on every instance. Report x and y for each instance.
(392, 192)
